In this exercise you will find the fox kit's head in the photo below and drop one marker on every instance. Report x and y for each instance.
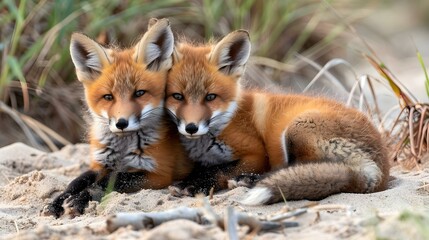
(202, 86)
(123, 88)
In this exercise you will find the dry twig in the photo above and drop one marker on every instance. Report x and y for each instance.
(139, 220)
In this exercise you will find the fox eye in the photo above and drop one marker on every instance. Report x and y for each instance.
(108, 97)
(211, 97)
(178, 96)
(139, 93)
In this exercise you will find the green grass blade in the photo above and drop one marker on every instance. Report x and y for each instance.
(16, 68)
(422, 63)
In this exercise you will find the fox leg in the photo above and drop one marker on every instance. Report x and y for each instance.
(76, 186)
(202, 179)
(91, 185)
(123, 182)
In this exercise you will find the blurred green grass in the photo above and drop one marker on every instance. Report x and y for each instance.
(37, 77)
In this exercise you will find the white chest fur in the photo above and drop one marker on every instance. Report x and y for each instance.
(124, 152)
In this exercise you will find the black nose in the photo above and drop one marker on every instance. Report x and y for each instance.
(191, 128)
(122, 123)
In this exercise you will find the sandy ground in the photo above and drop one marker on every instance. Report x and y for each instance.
(29, 179)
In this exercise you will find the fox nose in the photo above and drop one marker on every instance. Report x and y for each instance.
(191, 128)
(122, 123)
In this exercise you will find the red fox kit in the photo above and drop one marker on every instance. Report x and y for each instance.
(130, 137)
(311, 147)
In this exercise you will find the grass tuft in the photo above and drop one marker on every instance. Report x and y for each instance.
(36, 70)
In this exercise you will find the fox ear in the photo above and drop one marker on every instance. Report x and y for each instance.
(232, 53)
(156, 46)
(152, 22)
(88, 57)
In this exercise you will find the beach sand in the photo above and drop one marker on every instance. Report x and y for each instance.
(30, 179)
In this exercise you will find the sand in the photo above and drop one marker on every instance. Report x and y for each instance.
(29, 179)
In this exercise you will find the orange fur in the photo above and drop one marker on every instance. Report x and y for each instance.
(132, 142)
(269, 132)
(121, 79)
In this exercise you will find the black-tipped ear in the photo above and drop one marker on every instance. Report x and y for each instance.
(232, 52)
(88, 56)
(156, 46)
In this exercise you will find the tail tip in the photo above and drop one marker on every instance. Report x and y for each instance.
(257, 196)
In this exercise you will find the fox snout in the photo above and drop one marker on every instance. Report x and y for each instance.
(192, 129)
(124, 124)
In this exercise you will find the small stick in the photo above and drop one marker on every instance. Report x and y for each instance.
(287, 215)
(256, 225)
(211, 193)
(230, 223)
(210, 215)
(317, 219)
(16, 226)
(328, 207)
(140, 220)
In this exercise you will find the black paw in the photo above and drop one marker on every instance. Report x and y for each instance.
(182, 189)
(76, 204)
(244, 180)
(56, 207)
(52, 210)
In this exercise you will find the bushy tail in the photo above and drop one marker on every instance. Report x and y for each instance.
(314, 181)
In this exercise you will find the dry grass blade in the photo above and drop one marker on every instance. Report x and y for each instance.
(355, 86)
(422, 129)
(386, 117)
(419, 119)
(413, 122)
(405, 99)
(362, 99)
(28, 124)
(374, 96)
(400, 146)
(51, 35)
(43, 136)
(15, 116)
(268, 62)
(411, 130)
(325, 71)
(425, 138)
(36, 124)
